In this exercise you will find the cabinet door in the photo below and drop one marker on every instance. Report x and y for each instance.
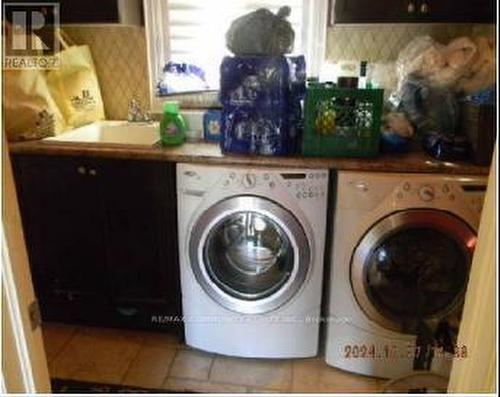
(394, 11)
(369, 11)
(478, 11)
(63, 225)
(140, 202)
(89, 11)
(127, 12)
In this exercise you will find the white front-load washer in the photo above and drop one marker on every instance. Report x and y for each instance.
(251, 250)
(400, 258)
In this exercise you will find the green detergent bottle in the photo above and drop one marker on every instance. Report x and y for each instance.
(172, 126)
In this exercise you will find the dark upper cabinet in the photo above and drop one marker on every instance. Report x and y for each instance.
(89, 11)
(92, 11)
(479, 11)
(127, 12)
(102, 239)
(397, 11)
(365, 11)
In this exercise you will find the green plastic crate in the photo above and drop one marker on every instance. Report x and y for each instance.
(342, 122)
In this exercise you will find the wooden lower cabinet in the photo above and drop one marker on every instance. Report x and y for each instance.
(102, 239)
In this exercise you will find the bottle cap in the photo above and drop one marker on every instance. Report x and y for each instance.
(171, 107)
(362, 68)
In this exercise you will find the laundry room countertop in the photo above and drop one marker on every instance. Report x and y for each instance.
(210, 153)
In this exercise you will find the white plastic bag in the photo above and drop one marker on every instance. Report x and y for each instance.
(442, 66)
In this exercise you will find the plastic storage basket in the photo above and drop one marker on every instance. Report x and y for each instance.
(342, 122)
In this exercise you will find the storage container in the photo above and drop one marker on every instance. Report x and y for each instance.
(342, 122)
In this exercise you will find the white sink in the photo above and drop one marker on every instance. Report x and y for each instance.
(121, 132)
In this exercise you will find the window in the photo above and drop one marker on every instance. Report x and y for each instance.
(193, 31)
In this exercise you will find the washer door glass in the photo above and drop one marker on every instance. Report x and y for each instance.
(248, 255)
(416, 269)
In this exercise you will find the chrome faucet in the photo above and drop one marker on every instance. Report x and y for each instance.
(136, 113)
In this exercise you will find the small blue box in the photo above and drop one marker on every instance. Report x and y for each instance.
(212, 125)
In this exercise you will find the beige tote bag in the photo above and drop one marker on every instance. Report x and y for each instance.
(29, 109)
(74, 85)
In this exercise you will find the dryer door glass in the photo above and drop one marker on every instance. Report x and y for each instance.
(416, 272)
(249, 254)
(417, 269)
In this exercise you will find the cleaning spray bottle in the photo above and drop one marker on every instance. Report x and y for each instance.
(172, 126)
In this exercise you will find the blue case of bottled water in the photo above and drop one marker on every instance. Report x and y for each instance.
(262, 109)
(255, 131)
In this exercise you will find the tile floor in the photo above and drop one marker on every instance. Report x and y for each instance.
(153, 360)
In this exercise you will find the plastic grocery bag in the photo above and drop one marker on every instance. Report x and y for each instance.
(435, 114)
(261, 33)
(441, 65)
(74, 85)
(431, 110)
(181, 77)
(480, 74)
(430, 75)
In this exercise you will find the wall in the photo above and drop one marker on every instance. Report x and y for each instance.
(382, 42)
(120, 52)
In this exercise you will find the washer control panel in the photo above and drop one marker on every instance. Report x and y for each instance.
(308, 185)
(248, 180)
(302, 185)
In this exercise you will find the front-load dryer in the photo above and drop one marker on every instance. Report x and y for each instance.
(251, 248)
(401, 251)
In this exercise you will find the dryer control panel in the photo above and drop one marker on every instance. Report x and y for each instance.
(443, 191)
(367, 191)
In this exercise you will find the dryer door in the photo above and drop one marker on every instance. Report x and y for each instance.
(249, 254)
(412, 264)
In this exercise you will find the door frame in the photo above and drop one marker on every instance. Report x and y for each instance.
(478, 373)
(24, 360)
